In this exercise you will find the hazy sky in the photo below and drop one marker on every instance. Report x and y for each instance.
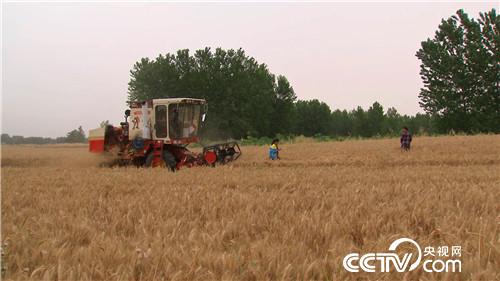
(67, 64)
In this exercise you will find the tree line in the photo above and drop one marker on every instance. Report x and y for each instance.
(314, 118)
(246, 100)
(74, 136)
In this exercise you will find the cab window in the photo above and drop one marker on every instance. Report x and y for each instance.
(184, 120)
(161, 121)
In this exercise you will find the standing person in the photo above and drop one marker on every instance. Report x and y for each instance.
(405, 139)
(274, 150)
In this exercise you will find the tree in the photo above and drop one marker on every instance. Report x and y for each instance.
(461, 73)
(312, 118)
(376, 119)
(421, 123)
(393, 121)
(283, 103)
(6, 139)
(76, 136)
(244, 97)
(18, 139)
(360, 126)
(341, 123)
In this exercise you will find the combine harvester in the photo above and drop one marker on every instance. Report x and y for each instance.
(158, 134)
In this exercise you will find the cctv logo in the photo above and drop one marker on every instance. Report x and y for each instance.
(385, 262)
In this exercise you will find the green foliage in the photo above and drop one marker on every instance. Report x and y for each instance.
(342, 123)
(360, 125)
(376, 123)
(283, 106)
(393, 121)
(76, 136)
(244, 97)
(460, 68)
(375, 119)
(311, 118)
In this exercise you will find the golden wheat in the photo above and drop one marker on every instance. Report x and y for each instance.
(65, 218)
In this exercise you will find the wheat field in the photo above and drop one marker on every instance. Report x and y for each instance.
(66, 218)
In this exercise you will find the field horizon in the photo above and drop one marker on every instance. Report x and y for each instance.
(66, 218)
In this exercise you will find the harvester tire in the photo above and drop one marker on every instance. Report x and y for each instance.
(168, 158)
(170, 161)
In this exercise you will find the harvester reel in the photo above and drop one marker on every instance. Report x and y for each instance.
(221, 153)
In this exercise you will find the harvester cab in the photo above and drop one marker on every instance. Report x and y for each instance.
(174, 121)
(157, 132)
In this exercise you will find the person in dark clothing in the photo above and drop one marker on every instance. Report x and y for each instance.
(405, 139)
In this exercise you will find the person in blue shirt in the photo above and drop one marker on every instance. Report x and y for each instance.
(274, 150)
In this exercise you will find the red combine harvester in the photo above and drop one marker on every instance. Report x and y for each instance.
(158, 134)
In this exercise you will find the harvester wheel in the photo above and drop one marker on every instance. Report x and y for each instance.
(168, 158)
(170, 161)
